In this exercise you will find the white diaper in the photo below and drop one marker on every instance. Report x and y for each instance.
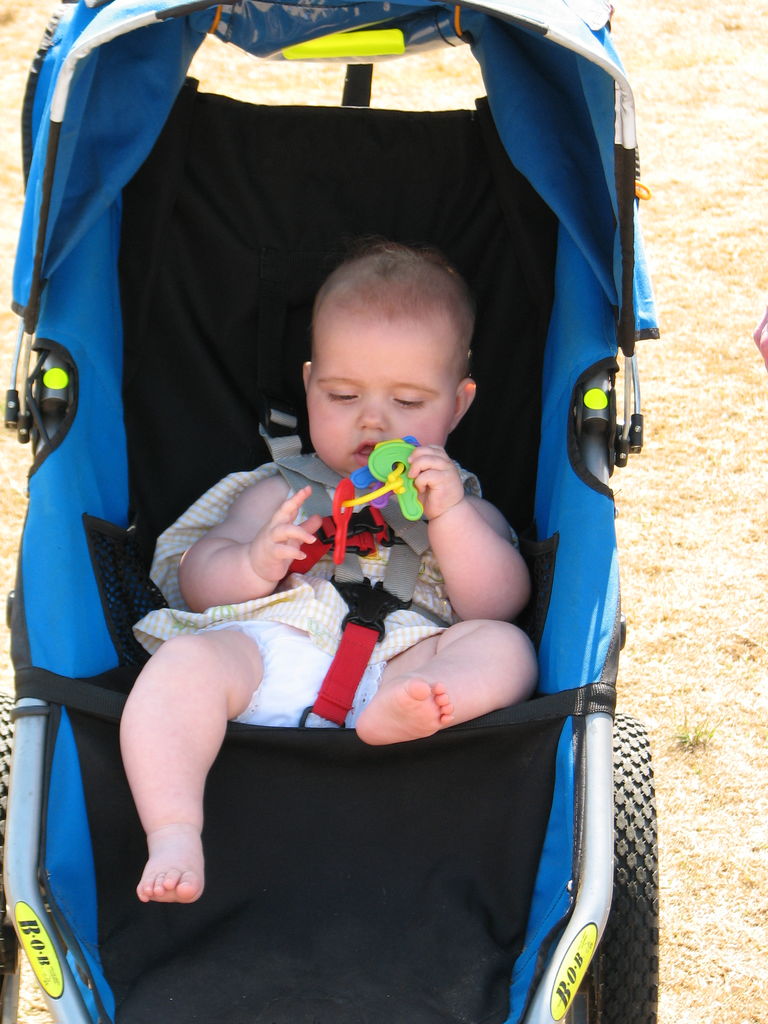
(294, 669)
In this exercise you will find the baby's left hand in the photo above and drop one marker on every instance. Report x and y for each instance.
(436, 479)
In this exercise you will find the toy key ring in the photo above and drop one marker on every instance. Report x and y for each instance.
(384, 461)
(388, 463)
(392, 485)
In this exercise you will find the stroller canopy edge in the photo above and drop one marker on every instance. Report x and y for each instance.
(91, 109)
(71, 204)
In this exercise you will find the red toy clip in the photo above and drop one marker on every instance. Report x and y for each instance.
(341, 516)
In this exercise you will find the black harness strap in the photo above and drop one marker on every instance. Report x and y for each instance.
(93, 696)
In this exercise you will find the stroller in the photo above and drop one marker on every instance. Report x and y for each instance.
(171, 245)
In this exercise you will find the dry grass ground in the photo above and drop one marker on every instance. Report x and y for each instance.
(692, 510)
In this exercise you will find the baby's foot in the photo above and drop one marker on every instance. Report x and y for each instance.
(174, 870)
(405, 709)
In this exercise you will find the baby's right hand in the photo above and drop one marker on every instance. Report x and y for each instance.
(278, 542)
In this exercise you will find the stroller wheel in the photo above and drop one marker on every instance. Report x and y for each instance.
(621, 986)
(627, 967)
(9, 959)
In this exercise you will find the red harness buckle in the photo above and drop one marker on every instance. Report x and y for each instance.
(364, 531)
(363, 627)
(342, 679)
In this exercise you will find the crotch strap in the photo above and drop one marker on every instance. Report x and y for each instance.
(369, 606)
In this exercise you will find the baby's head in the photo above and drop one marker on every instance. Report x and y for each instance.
(391, 334)
(387, 281)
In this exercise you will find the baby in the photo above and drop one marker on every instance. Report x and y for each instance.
(390, 348)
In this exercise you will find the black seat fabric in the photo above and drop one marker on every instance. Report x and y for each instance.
(345, 884)
(229, 228)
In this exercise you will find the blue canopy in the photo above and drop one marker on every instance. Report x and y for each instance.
(556, 87)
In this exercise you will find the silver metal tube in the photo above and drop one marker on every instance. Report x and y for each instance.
(636, 382)
(26, 351)
(595, 889)
(26, 906)
(628, 398)
(14, 379)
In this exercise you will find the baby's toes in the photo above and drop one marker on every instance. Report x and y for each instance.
(145, 891)
(170, 881)
(188, 887)
(444, 706)
(418, 690)
(150, 888)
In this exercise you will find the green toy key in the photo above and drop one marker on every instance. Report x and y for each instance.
(388, 462)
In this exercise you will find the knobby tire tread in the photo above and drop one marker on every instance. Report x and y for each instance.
(628, 967)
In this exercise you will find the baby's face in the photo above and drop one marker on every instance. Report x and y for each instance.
(372, 380)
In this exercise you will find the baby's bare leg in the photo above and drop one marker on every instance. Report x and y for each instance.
(468, 670)
(171, 731)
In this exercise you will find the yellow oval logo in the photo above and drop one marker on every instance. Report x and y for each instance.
(572, 971)
(40, 950)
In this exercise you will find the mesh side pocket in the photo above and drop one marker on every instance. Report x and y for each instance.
(540, 556)
(127, 593)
